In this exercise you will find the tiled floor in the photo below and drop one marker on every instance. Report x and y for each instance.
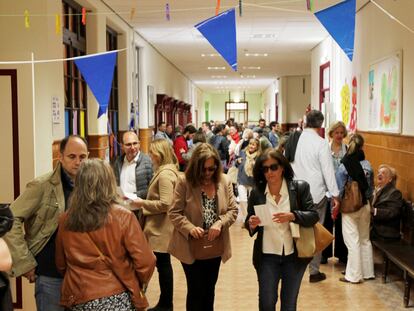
(237, 286)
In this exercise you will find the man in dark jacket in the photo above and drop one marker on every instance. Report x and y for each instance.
(221, 143)
(133, 169)
(386, 206)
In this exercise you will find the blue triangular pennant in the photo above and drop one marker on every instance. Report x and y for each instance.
(220, 31)
(339, 21)
(98, 72)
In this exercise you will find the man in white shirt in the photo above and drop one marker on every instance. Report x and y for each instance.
(133, 169)
(313, 163)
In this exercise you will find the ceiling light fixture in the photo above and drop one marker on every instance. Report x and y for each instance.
(256, 54)
(263, 36)
(218, 77)
(248, 76)
(252, 67)
(216, 68)
(209, 55)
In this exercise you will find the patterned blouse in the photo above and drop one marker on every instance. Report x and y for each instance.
(209, 210)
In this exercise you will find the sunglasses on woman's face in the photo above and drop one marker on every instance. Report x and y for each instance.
(272, 167)
(210, 168)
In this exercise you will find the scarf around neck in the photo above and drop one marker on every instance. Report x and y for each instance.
(249, 164)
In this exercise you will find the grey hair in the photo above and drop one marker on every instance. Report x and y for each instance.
(392, 172)
(314, 119)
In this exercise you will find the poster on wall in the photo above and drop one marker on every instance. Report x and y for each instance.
(384, 94)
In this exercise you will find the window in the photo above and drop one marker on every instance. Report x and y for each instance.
(113, 111)
(74, 44)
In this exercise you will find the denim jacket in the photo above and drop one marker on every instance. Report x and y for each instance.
(342, 177)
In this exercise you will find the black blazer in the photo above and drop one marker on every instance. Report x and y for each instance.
(387, 221)
(301, 204)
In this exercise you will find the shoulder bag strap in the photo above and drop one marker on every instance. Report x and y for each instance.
(104, 259)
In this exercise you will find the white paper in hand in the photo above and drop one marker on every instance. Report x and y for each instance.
(264, 215)
(130, 196)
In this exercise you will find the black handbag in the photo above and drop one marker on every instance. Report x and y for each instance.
(6, 219)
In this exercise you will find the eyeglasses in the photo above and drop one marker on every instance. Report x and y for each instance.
(210, 168)
(129, 145)
(272, 167)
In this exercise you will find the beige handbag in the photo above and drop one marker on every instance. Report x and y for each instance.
(5, 257)
(312, 240)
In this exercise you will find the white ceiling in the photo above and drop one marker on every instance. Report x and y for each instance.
(290, 33)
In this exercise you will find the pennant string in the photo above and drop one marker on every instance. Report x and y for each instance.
(26, 19)
(167, 11)
(57, 24)
(240, 8)
(132, 14)
(392, 16)
(83, 16)
(218, 7)
(40, 61)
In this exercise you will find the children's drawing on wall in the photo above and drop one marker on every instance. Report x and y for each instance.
(385, 94)
(345, 103)
(353, 120)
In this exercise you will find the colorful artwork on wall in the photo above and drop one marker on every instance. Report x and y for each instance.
(353, 120)
(345, 103)
(384, 96)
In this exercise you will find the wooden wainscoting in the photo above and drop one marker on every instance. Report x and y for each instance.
(396, 151)
(145, 137)
(98, 146)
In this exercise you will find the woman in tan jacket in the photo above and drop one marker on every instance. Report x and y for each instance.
(100, 248)
(203, 203)
(157, 225)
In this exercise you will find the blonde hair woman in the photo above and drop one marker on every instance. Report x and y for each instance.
(356, 225)
(245, 180)
(157, 226)
(203, 201)
(100, 248)
(337, 132)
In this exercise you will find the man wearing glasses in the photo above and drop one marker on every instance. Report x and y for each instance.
(133, 169)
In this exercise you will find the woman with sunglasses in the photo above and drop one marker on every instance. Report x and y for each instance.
(204, 203)
(283, 200)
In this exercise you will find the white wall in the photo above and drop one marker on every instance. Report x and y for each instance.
(298, 97)
(376, 37)
(217, 105)
(269, 104)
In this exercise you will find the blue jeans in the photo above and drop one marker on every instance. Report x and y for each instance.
(274, 268)
(47, 293)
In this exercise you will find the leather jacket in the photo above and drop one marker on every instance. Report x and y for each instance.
(305, 213)
(127, 265)
(6, 219)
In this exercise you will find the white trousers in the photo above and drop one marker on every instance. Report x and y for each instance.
(355, 229)
(244, 192)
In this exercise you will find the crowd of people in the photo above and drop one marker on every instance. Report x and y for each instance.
(89, 235)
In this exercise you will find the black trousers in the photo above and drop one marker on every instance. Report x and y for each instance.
(165, 278)
(341, 252)
(201, 278)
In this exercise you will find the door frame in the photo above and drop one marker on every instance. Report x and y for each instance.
(12, 73)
